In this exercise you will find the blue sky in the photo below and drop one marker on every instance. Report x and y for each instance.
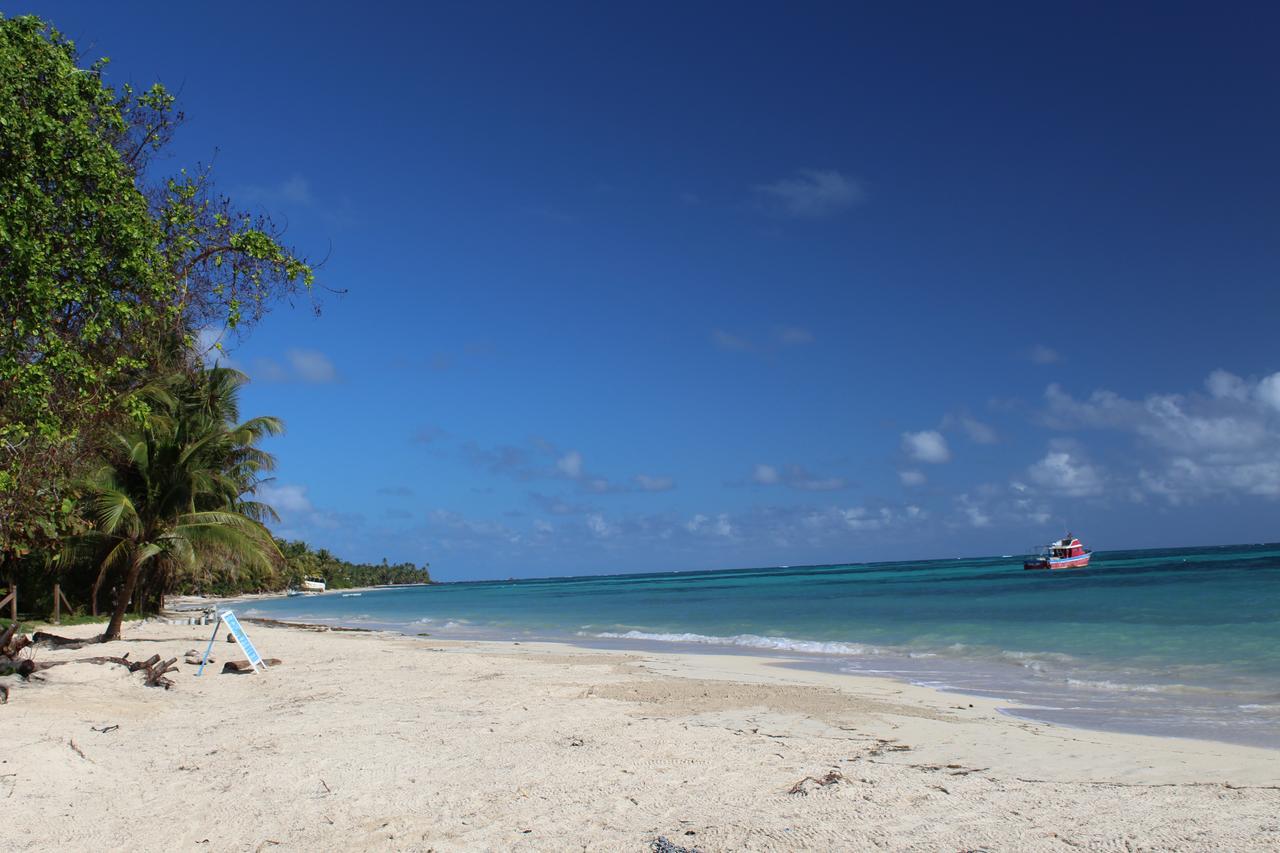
(677, 287)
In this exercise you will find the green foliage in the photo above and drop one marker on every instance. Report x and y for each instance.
(81, 280)
(303, 562)
(175, 490)
(103, 277)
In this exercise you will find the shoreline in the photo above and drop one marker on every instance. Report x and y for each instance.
(392, 741)
(1009, 705)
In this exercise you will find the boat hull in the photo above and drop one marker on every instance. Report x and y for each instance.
(1058, 563)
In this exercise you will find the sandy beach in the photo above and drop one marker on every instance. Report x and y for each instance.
(381, 741)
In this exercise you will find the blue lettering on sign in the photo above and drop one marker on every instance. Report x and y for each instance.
(233, 625)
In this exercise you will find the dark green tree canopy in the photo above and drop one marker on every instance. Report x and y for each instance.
(104, 278)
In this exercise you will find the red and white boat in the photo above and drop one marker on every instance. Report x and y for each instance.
(1066, 553)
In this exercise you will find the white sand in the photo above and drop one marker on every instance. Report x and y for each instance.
(375, 741)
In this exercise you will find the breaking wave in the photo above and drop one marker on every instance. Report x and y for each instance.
(749, 641)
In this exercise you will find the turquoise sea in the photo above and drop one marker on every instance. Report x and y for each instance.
(1177, 642)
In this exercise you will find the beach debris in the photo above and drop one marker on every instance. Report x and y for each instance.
(53, 641)
(12, 642)
(153, 667)
(104, 729)
(662, 844)
(831, 778)
(22, 667)
(242, 666)
(15, 655)
(194, 658)
(4, 694)
(77, 750)
(882, 746)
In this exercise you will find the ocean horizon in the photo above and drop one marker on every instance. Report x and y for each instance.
(1178, 642)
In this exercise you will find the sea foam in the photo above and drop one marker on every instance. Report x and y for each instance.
(750, 641)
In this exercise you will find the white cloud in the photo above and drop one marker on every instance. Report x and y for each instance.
(293, 190)
(599, 527)
(1183, 478)
(796, 477)
(1191, 446)
(1223, 385)
(727, 341)
(312, 366)
(647, 483)
(978, 432)
(1268, 391)
(1171, 421)
(974, 514)
(912, 478)
(285, 498)
(812, 194)
(794, 336)
(570, 464)
(1062, 472)
(210, 346)
(304, 365)
(765, 475)
(860, 519)
(1041, 354)
(926, 446)
(718, 526)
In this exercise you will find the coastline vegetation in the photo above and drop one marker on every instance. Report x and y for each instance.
(125, 471)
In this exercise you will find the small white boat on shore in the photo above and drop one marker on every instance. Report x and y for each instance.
(313, 585)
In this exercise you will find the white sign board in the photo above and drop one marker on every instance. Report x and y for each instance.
(246, 646)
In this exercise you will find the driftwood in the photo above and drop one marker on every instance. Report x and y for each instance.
(12, 661)
(53, 641)
(154, 668)
(22, 667)
(241, 666)
(830, 779)
(12, 642)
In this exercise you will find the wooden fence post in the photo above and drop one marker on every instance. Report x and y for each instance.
(57, 604)
(12, 600)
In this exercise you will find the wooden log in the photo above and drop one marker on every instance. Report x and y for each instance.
(153, 669)
(156, 673)
(56, 642)
(12, 642)
(242, 666)
(23, 667)
(12, 600)
(144, 664)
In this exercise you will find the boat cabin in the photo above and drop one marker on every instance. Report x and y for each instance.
(1065, 549)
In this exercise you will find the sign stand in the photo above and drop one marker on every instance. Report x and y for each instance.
(216, 622)
(242, 639)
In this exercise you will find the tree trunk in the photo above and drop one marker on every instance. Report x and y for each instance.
(122, 604)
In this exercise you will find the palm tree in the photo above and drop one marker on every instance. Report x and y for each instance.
(180, 485)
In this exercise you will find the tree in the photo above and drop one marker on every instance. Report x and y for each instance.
(105, 277)
(179, 486)
(81, 274)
